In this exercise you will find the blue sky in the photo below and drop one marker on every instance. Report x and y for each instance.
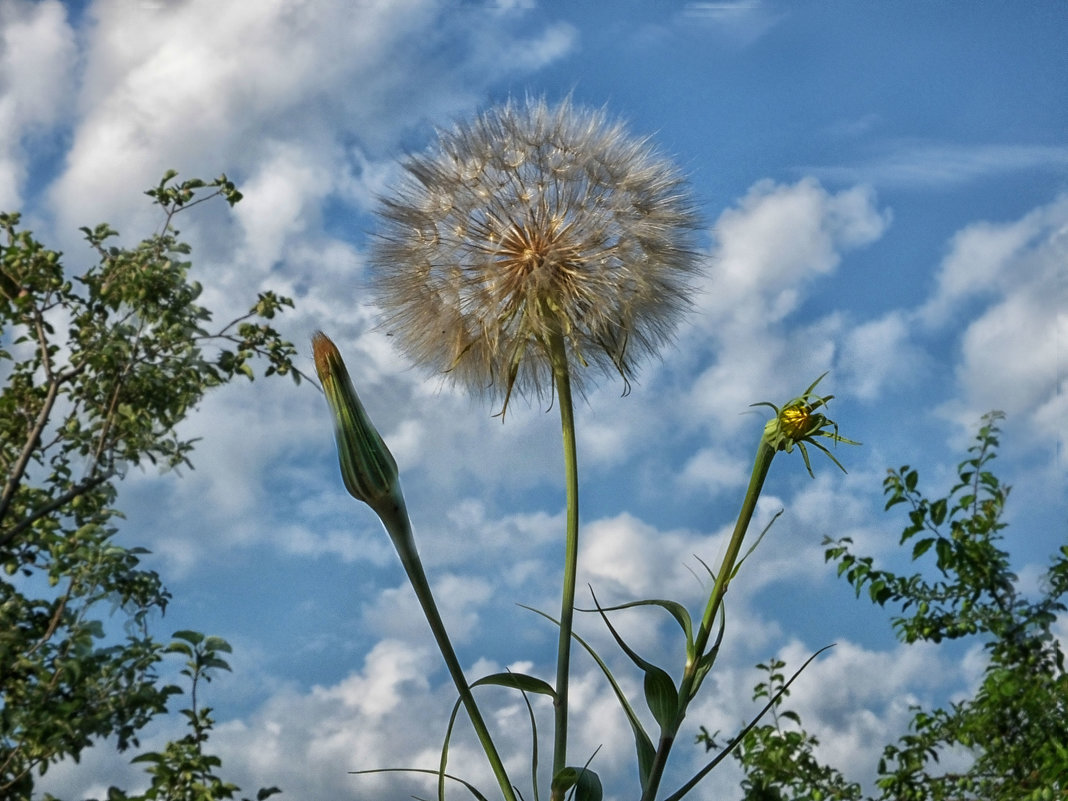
(885, 189)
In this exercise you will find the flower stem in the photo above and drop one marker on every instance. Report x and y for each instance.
(761, 464)
(697, 669)
(400, 531)
(562, 377)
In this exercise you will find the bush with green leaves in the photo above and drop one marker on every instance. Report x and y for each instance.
(183, 771)
(98, 370)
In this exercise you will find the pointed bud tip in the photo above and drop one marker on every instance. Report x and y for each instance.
(325, 353)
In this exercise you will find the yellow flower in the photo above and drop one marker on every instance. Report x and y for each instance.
(799, 422)
(531, 221)
(794, 421)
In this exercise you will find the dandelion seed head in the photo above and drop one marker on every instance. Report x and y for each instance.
(529, 219)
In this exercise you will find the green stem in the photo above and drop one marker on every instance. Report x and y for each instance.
(562, 377)
(695, 672)
(399, 527)
(761, 465)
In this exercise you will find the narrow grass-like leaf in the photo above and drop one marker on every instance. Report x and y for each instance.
(675, 609)
(660, 692)
(533, 750)
(443, 762)
(756, 542)
(682, 791)
(470, 787)
(642, 742)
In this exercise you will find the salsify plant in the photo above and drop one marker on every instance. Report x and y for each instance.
(522, 249)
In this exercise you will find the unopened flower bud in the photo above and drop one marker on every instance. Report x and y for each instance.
(367, 467)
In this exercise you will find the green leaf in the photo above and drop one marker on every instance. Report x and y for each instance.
(587, 784)
(921, 547)
(214, 663)
(517, 681)
(938, 511)
(911, 480)
(214, 643)
(944, 549)
(662, 697)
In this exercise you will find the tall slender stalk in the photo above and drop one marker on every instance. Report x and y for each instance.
(370, 474)
(399, 528)
(693, 674)
(761, 464)
(562, 379)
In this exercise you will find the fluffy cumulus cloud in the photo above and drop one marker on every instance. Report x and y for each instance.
(626, 557)
(875, 353)
(779, 237)
(198, 86)
(770, 249)
(37, 53)
(1004, 284)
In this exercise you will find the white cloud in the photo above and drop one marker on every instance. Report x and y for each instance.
(878, 353)
(396, 613)
(771, 247)
(1009, 278)
(1012, 354)
(625, 557)
(282, 201)
(932, 165)
(206, 88)
(713, 469)
(988, 258)
(857, 700)
(36, 59)
(778, 238)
